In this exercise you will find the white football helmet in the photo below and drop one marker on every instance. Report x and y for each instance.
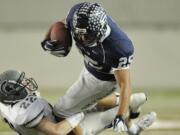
(15, 87)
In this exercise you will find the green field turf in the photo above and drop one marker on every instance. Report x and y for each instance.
(166, 103)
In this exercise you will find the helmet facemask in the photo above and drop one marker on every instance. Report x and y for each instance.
(84, 37)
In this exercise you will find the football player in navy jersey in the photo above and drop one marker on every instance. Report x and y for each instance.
(107, 52)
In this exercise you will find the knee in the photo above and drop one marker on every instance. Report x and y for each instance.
(137, 99)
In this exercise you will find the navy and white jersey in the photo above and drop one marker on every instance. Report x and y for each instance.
(114, 52)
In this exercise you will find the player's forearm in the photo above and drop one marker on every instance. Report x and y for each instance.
(123, 80)
(77, 130)
(124, 100)
(49, 128)
(70, 123)
(108, 102)
(63, 128)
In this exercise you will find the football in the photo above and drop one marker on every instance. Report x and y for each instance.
(61, 33)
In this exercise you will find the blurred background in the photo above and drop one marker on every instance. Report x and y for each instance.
(152, 25)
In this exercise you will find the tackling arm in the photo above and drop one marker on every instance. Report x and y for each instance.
(61, 128)
(49, 128)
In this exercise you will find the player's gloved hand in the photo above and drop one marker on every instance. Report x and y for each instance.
(75, 119)
(55, 47)
(51, 45)
(119, 124)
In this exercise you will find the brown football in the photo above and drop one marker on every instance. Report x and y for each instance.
(61, 33)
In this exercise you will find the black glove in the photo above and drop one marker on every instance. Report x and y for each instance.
(55, 48)
(52, 45)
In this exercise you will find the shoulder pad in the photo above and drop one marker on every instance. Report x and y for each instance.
(30, 111)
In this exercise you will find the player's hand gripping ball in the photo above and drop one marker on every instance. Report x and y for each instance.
(58, 41)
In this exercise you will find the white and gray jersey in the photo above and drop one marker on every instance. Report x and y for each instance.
(26, 114)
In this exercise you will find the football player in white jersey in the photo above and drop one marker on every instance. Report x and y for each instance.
(25, 111)
(29, 114)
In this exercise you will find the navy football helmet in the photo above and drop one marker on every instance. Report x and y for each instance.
(89, 23)
(15, 87)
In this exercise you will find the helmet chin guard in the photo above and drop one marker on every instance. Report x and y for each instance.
(89, 23)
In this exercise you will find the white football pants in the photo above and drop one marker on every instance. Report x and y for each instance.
(83, 94)
(95, 122)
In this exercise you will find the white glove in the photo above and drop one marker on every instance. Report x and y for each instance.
(119, 125)
(74, 120)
